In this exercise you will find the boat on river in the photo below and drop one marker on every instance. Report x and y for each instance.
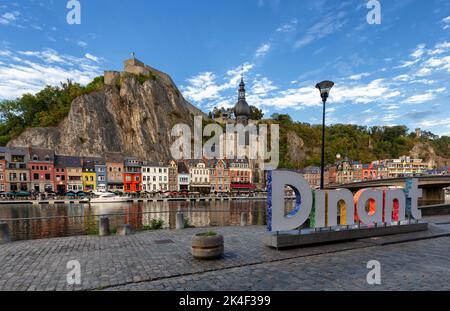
(108, 197)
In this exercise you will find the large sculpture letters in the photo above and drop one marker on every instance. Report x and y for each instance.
(368, 206)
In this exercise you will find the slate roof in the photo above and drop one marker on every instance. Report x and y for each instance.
(67, 161)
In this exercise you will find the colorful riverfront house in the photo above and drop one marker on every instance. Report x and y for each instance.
(199, 176)
(173, 176)
(184, 179)
(241, 176)
(41, 166)
(219, 176)
(88, 174)
(60, 175)
(73, 172)
(132, 177)
(369, 172)
(155, 176)
(114, 171)
(100, 173)
(3, 151)
(17, 173)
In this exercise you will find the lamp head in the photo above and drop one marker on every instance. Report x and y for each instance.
(324, 87)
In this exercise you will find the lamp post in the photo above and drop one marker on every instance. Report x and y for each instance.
(324, 87)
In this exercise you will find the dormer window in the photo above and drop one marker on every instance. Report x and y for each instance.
(47, 158)
(35, 158)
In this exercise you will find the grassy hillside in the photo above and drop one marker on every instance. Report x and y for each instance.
(359, 143)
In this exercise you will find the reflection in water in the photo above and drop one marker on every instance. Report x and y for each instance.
(78, 219)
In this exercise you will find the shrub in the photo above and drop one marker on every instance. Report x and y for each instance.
(155, 224)
(142, 78)
(208, 233)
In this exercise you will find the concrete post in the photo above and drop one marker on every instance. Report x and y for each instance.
(243, 219)
(103, 229)
(180, 220)
(4, 233)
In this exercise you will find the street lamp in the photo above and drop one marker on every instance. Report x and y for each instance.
(324, 87)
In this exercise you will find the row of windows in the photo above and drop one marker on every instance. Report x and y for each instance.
(160, 170)
(129, 179)
(150, 178)
(153, 187)
(37, 176)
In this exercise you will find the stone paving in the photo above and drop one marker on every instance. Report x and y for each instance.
(161, 260)
(419, 265)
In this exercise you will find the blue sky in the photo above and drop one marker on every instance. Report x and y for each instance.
(397, 72)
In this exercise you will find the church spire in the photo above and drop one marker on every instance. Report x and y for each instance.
(242, 86)
(242, 109)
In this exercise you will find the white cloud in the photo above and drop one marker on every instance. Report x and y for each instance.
(289, 27)
(204, 86)
(9, 18)
(408, 63)
(446, 23)
(359, 76)
(419, 51)
(262, 87)
(425, 97)
(420, 98)
(328, 25)
(263, 50)
(92, 57)
(30, 72)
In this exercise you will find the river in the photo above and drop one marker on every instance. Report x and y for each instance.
(48, 221)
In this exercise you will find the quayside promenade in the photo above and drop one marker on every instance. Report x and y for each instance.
(161, 260)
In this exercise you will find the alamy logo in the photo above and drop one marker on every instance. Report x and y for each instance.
(374, 15)
(374, 275)
(74, 15)
(74, 275)
(238, 141)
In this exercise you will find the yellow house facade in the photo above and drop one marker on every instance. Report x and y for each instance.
(88, 175)
(89, 183)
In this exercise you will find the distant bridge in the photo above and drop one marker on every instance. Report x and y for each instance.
(432, 186)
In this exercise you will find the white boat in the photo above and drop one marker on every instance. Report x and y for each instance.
(108, 197)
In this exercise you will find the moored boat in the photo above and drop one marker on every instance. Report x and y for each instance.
(108, 197)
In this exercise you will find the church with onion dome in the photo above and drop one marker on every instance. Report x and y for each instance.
(242, 110)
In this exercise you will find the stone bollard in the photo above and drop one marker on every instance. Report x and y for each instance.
(125, 230)
(103, 229)
(4, 233)
(243, 219)
(180, 220)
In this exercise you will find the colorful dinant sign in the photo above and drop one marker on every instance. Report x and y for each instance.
(367, 206)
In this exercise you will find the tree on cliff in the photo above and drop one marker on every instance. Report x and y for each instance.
(44, 109)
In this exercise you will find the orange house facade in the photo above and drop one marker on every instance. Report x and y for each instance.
(132, 176)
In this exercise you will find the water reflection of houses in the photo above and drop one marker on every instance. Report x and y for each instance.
(133, 215)
(156, 210)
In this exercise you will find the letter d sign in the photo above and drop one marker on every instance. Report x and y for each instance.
(280, 221)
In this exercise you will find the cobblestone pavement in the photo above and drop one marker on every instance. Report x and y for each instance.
(162, 260)
(419, 265)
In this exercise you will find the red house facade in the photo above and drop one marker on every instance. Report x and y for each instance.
(369, 172)
(60, 175)
(132, 176)
(41, 166)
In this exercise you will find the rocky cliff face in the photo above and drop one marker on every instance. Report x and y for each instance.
(131, 118)
(426, 152)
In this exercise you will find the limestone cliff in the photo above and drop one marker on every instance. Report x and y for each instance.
(131, 117)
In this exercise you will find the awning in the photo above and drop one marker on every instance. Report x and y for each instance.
(243, 186)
